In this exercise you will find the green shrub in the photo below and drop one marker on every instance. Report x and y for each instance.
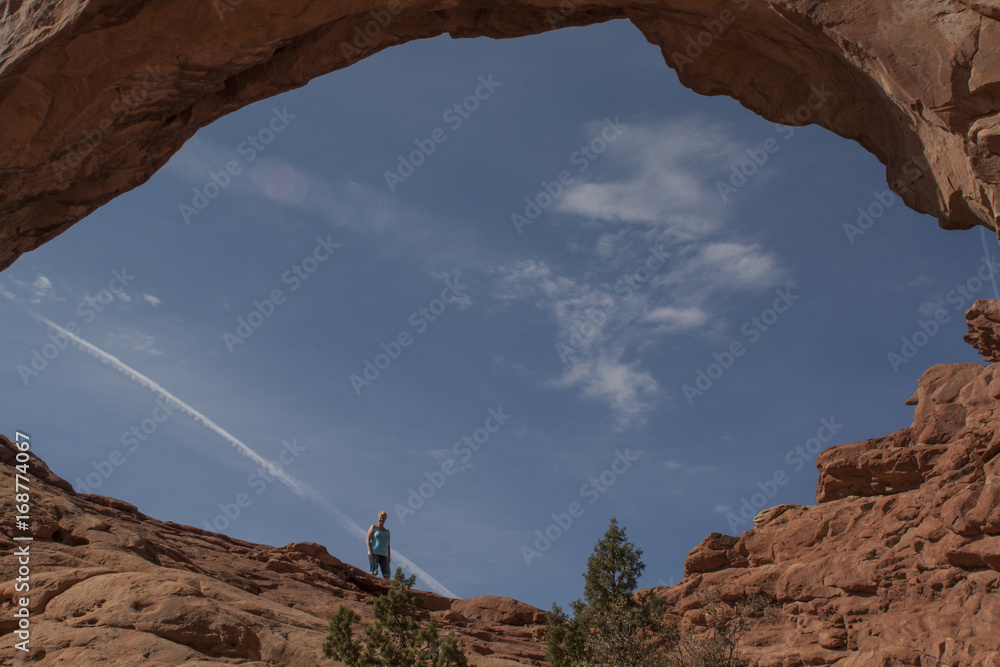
(403, 635)
(726, 628)
(614, 627)
(611, 626)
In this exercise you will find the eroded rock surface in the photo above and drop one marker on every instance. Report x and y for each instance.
(899, 562)
(984, 328)
(96, 95)
(112, 586)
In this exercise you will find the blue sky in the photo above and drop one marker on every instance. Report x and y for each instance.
(640, 342)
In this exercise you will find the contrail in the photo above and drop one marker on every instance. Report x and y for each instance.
(298, 487)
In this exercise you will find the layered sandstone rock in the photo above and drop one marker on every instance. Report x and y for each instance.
(112, 586)
(984, 328)
(96, 95)
(899, 562)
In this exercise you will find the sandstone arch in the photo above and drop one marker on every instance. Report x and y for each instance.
(96, 95)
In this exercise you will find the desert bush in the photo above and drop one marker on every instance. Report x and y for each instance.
(615, 627)
(403, 635)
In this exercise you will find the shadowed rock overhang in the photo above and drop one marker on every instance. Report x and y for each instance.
(95, 96)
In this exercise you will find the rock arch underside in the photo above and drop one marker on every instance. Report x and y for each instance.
(897, 564)
(96, 95)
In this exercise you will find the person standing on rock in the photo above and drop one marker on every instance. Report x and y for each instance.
(379, 553)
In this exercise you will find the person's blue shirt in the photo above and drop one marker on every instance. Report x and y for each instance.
(380, 542)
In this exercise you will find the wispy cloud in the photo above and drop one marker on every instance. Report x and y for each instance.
(463, 300)
(42, 285)
(720, 267)
(530, 278)
(155, 302)
(589, 324)
(688, 469)
(345, 204)
(279, 181)
(661, 256)
(36, 290)
(662, 183)
(932, 307)
(677, 318)
(134, 341)
(10, 296)
(628, 390)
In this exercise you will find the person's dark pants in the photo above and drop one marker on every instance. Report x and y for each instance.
(377, 561)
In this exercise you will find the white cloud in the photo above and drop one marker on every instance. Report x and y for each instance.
(628, 391)
(663, 192)
(589, 324)
(134, 341)
(678, 318)
(737, 265)
(450, 279)
(151, 299)
(279, 181)
(197, 158)
(529, 278)
(7, 294)
(664, 182)
(661, 261)
(596, 323)
(270, 178)
(690, 470)
(722, 267)
(42, 285)
(351, 205)
(345, 205)
(932, 307)
(606, 244)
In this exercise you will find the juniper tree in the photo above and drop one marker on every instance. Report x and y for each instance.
(611, 626)
(403, 635)
(613, 569)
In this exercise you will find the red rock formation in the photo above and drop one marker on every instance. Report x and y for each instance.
(899, 562)
(91, 104)
(984, 328)
(112, 586)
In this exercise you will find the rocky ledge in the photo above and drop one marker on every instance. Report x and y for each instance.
(898, 563)
(112, 586)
